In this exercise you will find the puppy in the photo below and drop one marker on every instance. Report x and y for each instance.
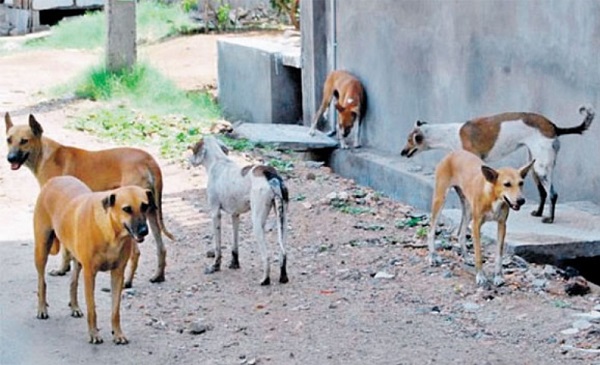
(485, 194)
(98, 229)
(100, 170)
(350, 102)
(492, 138)
(236, 190)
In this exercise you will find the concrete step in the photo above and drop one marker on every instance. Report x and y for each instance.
(284, 136)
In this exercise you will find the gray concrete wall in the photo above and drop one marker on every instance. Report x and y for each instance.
(449, 61)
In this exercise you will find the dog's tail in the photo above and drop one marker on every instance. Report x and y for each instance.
(281, 198)
(156, 188)
(589, 113)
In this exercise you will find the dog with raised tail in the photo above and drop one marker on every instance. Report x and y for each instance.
(350, 103)
(494, 137)
(237, 190)
(100, 170)
(486, 194)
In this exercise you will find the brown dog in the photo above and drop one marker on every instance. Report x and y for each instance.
(98, 229)
(100, 170)
(485, 195)
(350, 102)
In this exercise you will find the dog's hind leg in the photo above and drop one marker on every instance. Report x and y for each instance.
(74, 302)
(439, 197)
(133, 264)
(235, 224)
(65, 264)
(280, 208)
(161, 252)
(216, 221)
(543, 194)
(260, 207)
(44, 239)
(464, 223)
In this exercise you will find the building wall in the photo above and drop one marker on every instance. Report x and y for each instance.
(449, 61)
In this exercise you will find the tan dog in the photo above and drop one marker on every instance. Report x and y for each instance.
(98, 229)
(350, 102)
(485, 195)
(494, 137)
(100, 170)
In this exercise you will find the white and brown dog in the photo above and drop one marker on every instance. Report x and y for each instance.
(486, 194)
(494, 137)
(237, 190)
(350, 103)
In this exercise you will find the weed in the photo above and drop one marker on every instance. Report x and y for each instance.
(282, 166)
(238, 144)
(223, 16)
(421, 232)
(299, 198)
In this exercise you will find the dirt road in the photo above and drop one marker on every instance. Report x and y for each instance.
(360, 289)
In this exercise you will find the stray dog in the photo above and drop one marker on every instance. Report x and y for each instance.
(236, 190)
(100, 170)
(492, 138)
(98, 229)
(350, 103)
(485, 195)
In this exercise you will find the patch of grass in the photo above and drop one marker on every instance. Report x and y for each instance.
(238, 144)
(144, 107)
(155, 20)
(282, 166)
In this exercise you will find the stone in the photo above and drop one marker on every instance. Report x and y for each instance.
(199, 327)
(384, 275)
(582, 324)
(471, 307)
(570, 331)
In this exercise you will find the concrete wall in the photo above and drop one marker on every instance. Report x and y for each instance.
(449, 61)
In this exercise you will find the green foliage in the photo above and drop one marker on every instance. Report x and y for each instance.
(155, 20)
(238, 144)
(189, 5)
(223, 16)
(412, 221)
(282, 166)
(421, 232)
(171, 118)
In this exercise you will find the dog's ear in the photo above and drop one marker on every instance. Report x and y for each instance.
(339, 108)
(36, 127)
(525, 169)
(109, 201)
(8, 121)
(419, 123)
(490, 174)
(151, 201)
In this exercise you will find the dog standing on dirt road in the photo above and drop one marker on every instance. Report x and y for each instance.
(98, 229)
(350, 103)
(237, 190)
(100, 170)
(494, 137)
(485, 194)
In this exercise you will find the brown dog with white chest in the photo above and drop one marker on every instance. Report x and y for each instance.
(350, 103)
(486, 194)
(98, 229)
(100, 170)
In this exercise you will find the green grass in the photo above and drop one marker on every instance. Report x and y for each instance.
(154, 21)
(144, 107)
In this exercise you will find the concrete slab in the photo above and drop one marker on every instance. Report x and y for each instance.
(575, 232)
(285, 136)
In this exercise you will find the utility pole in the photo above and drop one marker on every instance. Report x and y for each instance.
(121, 39)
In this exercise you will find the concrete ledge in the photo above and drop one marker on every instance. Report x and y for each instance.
(574, 234)
(255, 85)
(285, 136)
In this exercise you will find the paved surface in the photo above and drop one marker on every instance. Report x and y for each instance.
(285, 136)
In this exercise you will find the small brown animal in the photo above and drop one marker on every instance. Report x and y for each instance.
(98, 229)
(100, 170)
(485, 194)
(350, 103)
(494, 137)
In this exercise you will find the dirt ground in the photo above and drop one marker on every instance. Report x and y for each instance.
(360, 288)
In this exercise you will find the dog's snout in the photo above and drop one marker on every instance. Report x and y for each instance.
(12, 157)
(520, 201)
(142, 230)
(346, 132)
(404, 152)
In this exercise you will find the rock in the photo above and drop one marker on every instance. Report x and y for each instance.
(470, 307)
(570, 331)
(311, 176)
(539, 283)
(549, 271)
(199, 327)
(384, 275)
(210, 253)
(593, 316)
(577, 286)
(582, 324)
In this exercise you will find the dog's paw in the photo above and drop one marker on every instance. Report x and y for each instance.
(42, 314)
(212, 269)
(95, 339)
(266, 281)
(498, 280)
(75, 311)
(548, 220)
(234, 264)
(59, 272)
(434, 260)
(158, 278)
(311, 132)
(536, 213)
(480, 279)
(127, 284)
(120, 339)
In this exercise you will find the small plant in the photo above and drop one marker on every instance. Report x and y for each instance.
(189, 5)
(421, 232)
(238, 144)
(223, 16)
(299, 198)
(282, 166)
(412, 221)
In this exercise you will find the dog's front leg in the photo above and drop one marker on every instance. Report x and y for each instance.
(357, 134)
(216, 221)
(116, 281)
(480, 278)
(133, 264)
(74, 302)
(235, 224)
(498, 278)
(89, 282)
